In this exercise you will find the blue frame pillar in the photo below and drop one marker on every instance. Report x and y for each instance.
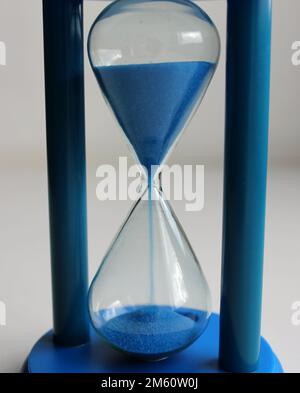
(64, 85)
(245, 175)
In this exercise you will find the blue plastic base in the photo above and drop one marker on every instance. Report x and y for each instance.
(98, 357)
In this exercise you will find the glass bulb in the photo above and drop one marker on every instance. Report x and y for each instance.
(153, 61)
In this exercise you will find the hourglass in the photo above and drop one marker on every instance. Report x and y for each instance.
(153, 60)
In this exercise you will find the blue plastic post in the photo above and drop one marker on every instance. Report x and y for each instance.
(246, 148)
(64, 84)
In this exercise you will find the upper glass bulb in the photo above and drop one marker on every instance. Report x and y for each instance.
(172, 48)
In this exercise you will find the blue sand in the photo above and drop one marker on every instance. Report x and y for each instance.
(151, 331)
(152, 102)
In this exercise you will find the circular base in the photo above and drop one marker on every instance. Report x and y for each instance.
(97, 357)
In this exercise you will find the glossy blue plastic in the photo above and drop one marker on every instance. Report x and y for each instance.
(64, 86)
(97, 357)
(246, 148)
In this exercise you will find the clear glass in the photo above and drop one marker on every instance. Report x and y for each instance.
(153, 61)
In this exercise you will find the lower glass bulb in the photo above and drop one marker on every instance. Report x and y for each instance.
(150, 298)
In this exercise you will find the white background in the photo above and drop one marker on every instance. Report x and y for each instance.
(25, 284)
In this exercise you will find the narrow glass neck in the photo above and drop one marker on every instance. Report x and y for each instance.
(154, 180)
